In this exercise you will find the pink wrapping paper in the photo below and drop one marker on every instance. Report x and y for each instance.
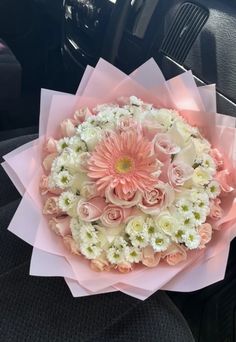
(103, 84)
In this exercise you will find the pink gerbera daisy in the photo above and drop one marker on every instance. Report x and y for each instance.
(123, 161)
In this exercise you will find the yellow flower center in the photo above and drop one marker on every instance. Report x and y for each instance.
(124, 165)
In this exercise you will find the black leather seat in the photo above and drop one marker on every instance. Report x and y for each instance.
(10, 75)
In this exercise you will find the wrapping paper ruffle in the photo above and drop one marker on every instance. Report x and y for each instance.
(104, 84)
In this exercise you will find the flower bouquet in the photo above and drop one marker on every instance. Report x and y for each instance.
(130, 185)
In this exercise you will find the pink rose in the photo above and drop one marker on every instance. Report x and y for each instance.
(151, 128)
(44, 188)
(127, 196)
(127, 123)
(100, 264)
(123, 100)
(131, 199)
(47, 162)
(89, 190)
(174, 254)
(164, 147)
(43, 185)
(216, 212)
(205, 231)
(218, 158)
(51, 145)
(125, 267)
(70, 245)
(51, 207)
(60, 225)
(149, 257)
(67, 128)
(179, 173)
(226, 181)
(83, 161)
(114, 215)
(81, 114)
(161, 196)
(91, 210)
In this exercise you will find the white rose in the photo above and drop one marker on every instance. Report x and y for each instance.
(184, 129)
(187, 154)
(78, 180)
(109, 234)
(166, 223)
(88, 189)
(201, 176)
(181, 132)
(136, 225)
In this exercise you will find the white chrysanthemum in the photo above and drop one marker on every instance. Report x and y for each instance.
(166, 223)
(121, 112)
(77, 145)
(119, 242)
(150, 227)
(179, 234)
(201, 146)
(164, 117)
(106, 116)
(160, 242)
(184, 206)
(135, 225)
(106, 119)
(91, 136)
(202, 206)
(201, 176)
(188, 222)
(135, 101)
(115, 255)
(90, 251)
(67, 200)
(140, 239)
(67, 161)
(191, 239)
(201, 201)
(208, 163)
(133, 254)
(62, 144)
(213, 189)
(75, 226)
(86, 124)
(199, 216)
(58, 165)
(70, 160)
(63, 179)
(88, 234)
(199, 195)
(136, 112)
(92, 121)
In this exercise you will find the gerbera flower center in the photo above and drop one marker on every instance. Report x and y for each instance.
(124, 164)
